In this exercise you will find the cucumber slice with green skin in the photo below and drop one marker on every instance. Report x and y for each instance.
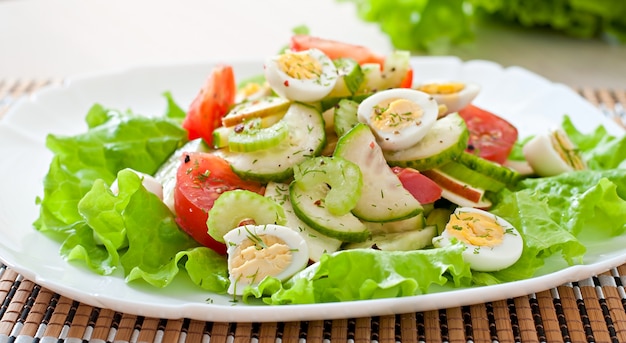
(445, 141)
(220, 137)
(221, 134)
(235, 207)
(390, 75)
(383, 198)
(323, 192)
(342, 178)
(490, 169)
(345, 116)
(350, 78)
(399, 241)
(471, 177)
(306, 139)
(317, 242)
(409, 224)
(330, 102)
(438, 218)
(250, 136)
(306, 205)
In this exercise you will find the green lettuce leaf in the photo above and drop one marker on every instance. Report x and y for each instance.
(157, 248)
(432, 26)
(600, 150)
(554, 214)
(113, 142)
(367, 274)
(419, 25)
(133, 229)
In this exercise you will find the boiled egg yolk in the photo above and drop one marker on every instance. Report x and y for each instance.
(300, 66)
(475, 229)
(398, 117)
(453, 95)
(259, 251)
(396, 114)
(491, 243)
(258, 258)
(442, 88)
(306, 76)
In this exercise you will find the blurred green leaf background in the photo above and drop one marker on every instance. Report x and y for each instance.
(432, 26)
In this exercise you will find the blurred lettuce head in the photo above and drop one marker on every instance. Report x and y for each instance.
(433, 26)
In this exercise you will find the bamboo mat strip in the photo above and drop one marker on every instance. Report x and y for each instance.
(590, 310)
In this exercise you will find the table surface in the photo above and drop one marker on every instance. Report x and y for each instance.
(61, 38)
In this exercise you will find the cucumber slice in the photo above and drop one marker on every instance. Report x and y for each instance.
(235, 207)
(383, 197)
(372, 82)
(323, 192)
(330, 102)
(445, 141)
(220, 137)
(396, 66)
(438, 218)
(409, 224)
(221, 134)
(391, 74)
(250, 136)
(471, 177)
(306, 139)
(342, 178)
(306, 205)
(350, 77)
(263, 107)
(345, 116)
(399, 241)
(317, 242)
(489, 169)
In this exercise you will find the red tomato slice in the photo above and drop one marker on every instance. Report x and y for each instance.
(335, 49)
(491, 137)
(211, 104)
(424, 189)
(407, 82)
(200, 180)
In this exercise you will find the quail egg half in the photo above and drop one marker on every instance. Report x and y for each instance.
(398, 117)
(492, 243)
(258, 251)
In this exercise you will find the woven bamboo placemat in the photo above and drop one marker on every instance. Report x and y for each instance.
(590, 310)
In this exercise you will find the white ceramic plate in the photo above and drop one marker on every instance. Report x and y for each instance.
(527, 100)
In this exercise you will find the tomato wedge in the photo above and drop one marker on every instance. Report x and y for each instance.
(335, 49)
(212, 103)
(424, 189)
(407, 82)
(200, 180)
(491, 137)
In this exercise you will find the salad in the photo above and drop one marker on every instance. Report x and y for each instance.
(330, 177)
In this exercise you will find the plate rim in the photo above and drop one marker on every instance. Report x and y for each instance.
(359, 308)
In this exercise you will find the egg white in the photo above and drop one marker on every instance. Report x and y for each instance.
(151, 184)
(298, 249)
(545, 158)
(484, 258)
(302, 89)
(455, 102)
(399, 138)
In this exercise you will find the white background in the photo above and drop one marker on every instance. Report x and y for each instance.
(61, 38)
